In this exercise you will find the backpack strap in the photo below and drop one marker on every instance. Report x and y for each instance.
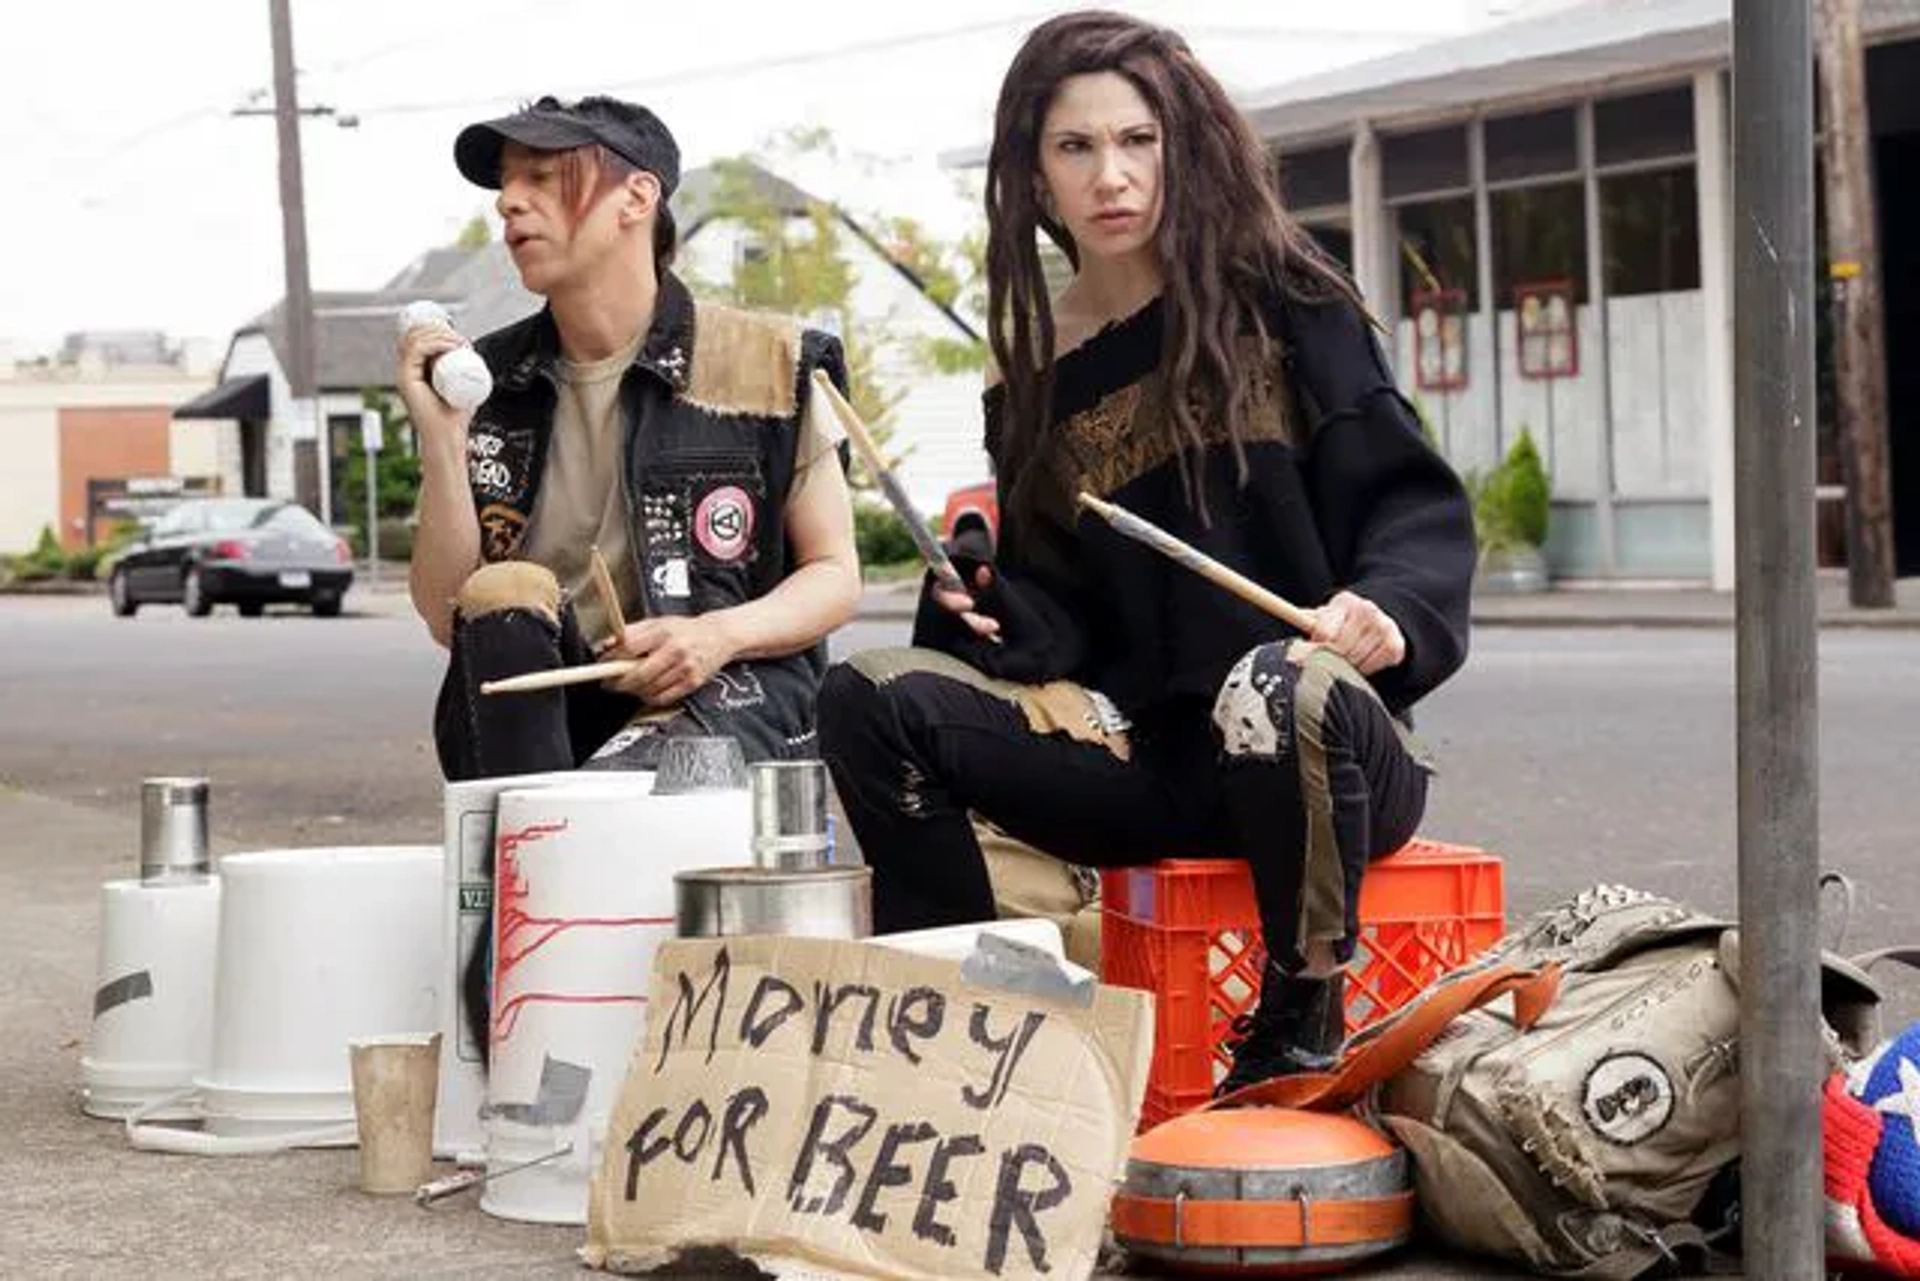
(1906, 954)
(1402, 1040)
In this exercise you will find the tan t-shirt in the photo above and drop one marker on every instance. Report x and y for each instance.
(582, 502)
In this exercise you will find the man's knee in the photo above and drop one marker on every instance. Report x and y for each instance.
(1253, 712)
(507, 585)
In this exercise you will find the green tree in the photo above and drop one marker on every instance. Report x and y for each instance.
(477, 234)
(397, 471)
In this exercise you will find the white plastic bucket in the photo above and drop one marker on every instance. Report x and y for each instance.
(583, 876)
(152, 1030)
(317, 947)
(466, 896)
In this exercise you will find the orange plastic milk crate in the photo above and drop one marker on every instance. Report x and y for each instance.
(1188, 931)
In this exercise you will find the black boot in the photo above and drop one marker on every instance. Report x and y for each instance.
(1297, 1026)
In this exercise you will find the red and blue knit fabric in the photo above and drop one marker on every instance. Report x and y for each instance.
(1872, 1117)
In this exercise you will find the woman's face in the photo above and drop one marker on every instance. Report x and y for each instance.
(1100, 165)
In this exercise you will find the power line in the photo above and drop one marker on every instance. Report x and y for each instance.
(716, 71)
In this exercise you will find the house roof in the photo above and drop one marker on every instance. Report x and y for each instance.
(353, 334)
(1554, 54)
(697, 202)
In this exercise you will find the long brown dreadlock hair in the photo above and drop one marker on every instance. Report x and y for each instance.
(1218, 261)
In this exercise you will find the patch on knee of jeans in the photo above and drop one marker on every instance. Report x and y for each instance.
(509, 584)
(1253, 713)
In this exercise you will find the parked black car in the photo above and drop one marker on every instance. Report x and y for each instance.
(251, 552)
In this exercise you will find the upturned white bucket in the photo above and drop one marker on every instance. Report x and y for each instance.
(466, 897)
(583, 895)
(318, 948)
(152, 1030)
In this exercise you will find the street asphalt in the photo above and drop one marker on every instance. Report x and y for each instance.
(1579, 753)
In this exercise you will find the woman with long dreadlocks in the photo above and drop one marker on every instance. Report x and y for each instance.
(1209, 370)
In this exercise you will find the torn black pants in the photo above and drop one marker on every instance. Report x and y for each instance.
(916, 742)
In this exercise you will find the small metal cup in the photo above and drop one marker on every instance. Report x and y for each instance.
(699, 764)
(173, 829)
(790, 814)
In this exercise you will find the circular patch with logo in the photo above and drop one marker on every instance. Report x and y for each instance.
(1627, 1098)
(723, 523)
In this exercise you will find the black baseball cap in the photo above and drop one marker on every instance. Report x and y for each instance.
(629, 131)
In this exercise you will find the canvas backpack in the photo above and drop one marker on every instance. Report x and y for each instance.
(1589, 1126)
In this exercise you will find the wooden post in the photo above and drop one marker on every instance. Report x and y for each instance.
(1859, 334)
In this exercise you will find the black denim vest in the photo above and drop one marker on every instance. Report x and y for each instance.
(712, 406)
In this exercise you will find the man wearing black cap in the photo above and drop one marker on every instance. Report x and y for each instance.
(676, 437)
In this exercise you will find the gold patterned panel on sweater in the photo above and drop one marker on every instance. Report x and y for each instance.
(1127, 433)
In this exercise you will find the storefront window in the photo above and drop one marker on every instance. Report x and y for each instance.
(1318, 178)
(1431, 160)
(1437, 250)
(1643, 126)
(1539, 237)
(1531, 146)
(1650, 228)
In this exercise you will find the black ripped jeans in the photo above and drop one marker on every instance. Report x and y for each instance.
(913, 753)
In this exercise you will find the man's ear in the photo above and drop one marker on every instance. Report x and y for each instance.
(642, 191)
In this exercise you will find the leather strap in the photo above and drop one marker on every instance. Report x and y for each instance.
(1401, 1040)
(1262, 1224)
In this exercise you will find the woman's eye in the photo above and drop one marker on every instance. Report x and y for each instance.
(1073, 145)
(1141, 139)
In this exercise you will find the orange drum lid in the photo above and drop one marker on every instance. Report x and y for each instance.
(1259, 1138)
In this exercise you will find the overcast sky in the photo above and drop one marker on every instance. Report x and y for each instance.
(140, 201)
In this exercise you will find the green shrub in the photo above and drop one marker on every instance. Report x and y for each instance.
(881, 537)
(45, 561)
(1512, 503)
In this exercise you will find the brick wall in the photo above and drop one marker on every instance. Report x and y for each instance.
(107, 442)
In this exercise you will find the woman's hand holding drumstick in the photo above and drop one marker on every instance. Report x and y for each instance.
(1351, 626)
(953, 592)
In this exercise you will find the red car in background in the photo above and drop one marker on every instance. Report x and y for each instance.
(972, 514)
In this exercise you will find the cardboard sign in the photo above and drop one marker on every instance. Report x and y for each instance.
(846, 1110)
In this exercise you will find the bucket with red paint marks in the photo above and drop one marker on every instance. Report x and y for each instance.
(583, 895)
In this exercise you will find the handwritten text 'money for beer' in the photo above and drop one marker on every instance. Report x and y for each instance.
(716, 1138)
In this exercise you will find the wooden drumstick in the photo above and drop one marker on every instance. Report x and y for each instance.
(869, 450)
(1126, 523)
(609, 596)
(558, 676)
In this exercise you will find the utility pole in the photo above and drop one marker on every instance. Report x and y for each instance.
(1859, 335)
(293, 230)
(1775, 677)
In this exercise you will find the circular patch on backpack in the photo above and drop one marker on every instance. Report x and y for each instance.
(1628, 1097)
(723, 523)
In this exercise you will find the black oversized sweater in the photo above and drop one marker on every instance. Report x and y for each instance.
(1342, 491)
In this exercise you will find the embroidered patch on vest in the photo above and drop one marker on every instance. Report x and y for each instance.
(744, 362)
(498, 464)
(501, 528)
(723, 523)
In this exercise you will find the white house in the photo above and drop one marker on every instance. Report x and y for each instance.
(936, 423)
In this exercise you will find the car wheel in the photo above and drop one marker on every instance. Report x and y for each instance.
(193, 594)
(251, 608)
(121, 594)
(327, 606)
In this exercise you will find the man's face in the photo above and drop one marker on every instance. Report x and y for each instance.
(552, 242)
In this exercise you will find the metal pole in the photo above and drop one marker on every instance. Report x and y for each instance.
(293, 232)
(1775, 652)
(373, 518)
